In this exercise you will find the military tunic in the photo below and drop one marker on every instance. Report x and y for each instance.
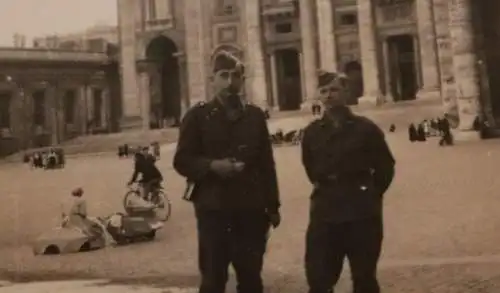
(350, 168)
(207, 134)
(232, 213)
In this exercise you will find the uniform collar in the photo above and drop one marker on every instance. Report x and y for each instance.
(348, 118)
(216, 106)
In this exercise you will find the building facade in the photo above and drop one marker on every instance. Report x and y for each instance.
(393, 50)
(49, 96)
(94, 39)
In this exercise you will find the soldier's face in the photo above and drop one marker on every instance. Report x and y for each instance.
(227, 82)
(331, 95)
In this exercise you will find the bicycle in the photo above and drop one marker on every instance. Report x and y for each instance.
(162, 206)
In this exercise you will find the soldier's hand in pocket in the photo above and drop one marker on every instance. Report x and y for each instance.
(223, 167)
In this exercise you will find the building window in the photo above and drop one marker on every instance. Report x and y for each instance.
(226, 7)
(283, 28)
(39, 108)
(69, 104)
(348, 19)
(152, 10)
(5, 100)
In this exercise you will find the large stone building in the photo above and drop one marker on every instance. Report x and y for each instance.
(49, 96)
(394, 50)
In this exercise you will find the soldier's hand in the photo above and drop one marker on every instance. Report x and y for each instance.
(224, 167)
(239, 166)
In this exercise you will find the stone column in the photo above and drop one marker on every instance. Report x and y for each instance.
(145, 99)
(420, 76)
(60, 115)
(428, 51)
(387, 71)
(445, 56)
(83, 109)
(302, 82)
(464, 64)
(274, 82)
(105, 108)
(309, 73)
(128, 42)
(368, 48)
(195, 50)
(183, 85)
(90, 104)
(51, 103)
(326, 35)
(254, 56)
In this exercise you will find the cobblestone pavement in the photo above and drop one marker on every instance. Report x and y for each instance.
(441, 220)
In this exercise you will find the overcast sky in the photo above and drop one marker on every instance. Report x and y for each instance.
(43, 17)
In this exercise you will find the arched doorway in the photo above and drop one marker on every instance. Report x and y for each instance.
(354, 72)
(165, 86)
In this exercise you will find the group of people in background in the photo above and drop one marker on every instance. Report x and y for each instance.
(153, 149)
(49, 159)
(431, 127)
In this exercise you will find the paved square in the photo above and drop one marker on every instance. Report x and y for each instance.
(442, 217)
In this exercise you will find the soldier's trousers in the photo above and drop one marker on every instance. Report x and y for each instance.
(238, 238)
(328, 244)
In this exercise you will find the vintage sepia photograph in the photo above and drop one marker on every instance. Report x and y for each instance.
(249, 146)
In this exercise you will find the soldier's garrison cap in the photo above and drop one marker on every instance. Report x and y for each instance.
(225, 60)
(326, 77)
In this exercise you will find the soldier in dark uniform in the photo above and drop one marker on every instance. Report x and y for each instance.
(225, 150)
(350, 166)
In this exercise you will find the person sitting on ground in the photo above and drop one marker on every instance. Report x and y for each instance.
(151, 177)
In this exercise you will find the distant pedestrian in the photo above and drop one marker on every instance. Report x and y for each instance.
(421, 136)
(412, 133)
(446, 135)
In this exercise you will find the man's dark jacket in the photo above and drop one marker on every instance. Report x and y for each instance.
(208, 134)
(351, 167)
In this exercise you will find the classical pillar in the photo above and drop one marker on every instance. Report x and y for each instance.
(145, 99)
(105, 108)
(428, 51)
(309, 73)
(51, 103)
(302, 82)
(464, 64)
(419, 67)
(185, 103)
(195, 51)
(61, 121)
(90, 104)
(128, 42)
(368, 47)
(83, 109)
(326, 35)
(254, 56)
(274, 82)
(445, 56)
(387, 72)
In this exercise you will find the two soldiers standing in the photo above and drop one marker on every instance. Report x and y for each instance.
(225, 150)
